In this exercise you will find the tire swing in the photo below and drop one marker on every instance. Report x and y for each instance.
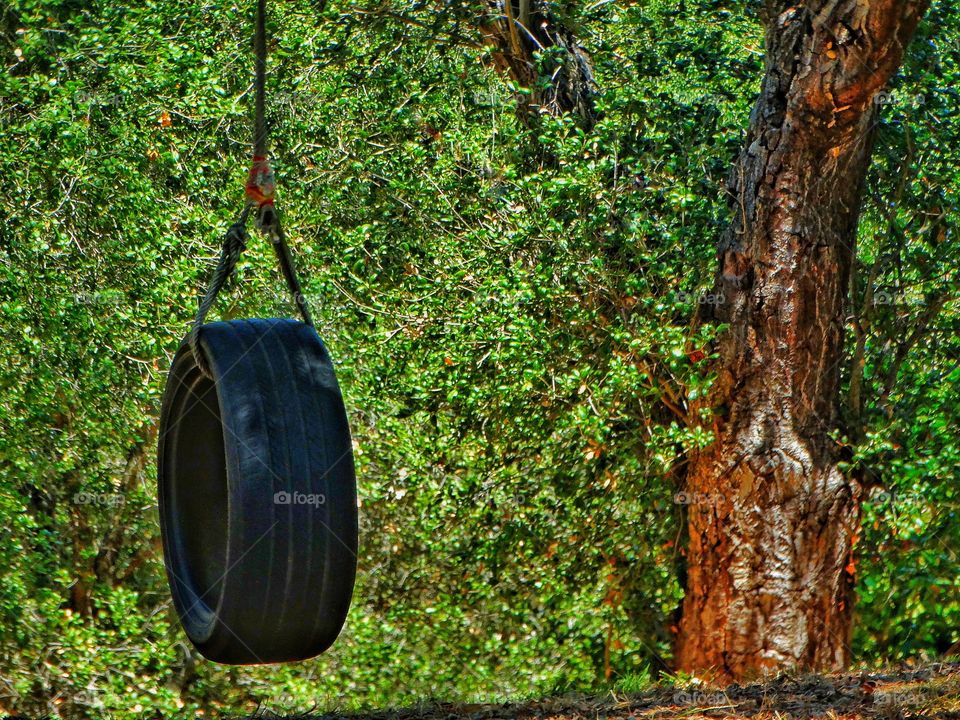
(256, 483)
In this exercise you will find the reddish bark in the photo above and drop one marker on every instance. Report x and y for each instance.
(769, 581)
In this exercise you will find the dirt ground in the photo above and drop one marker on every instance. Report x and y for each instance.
(932, 691)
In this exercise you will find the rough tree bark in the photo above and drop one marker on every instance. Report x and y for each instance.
(772, 521)
(519, 31)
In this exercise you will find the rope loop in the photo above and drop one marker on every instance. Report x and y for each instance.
(234, 243)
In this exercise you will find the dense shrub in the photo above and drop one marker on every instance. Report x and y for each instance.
(510, 309)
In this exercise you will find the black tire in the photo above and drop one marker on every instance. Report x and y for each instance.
(256, 579)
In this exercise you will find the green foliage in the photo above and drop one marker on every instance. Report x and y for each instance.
(510, 314)
(909, 591)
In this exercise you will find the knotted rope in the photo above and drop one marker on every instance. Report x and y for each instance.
(259, 189)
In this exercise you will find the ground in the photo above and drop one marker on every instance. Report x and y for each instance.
(932, 691)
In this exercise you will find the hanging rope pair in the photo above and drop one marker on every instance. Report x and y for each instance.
(260, 191)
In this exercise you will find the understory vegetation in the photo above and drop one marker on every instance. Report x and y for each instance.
(510, 306)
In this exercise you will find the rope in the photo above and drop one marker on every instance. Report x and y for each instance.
(260, 82)
(285, 258)
(234, 243)
(259, 190)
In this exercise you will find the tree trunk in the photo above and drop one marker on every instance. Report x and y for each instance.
(523, 33)
(772, 520)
